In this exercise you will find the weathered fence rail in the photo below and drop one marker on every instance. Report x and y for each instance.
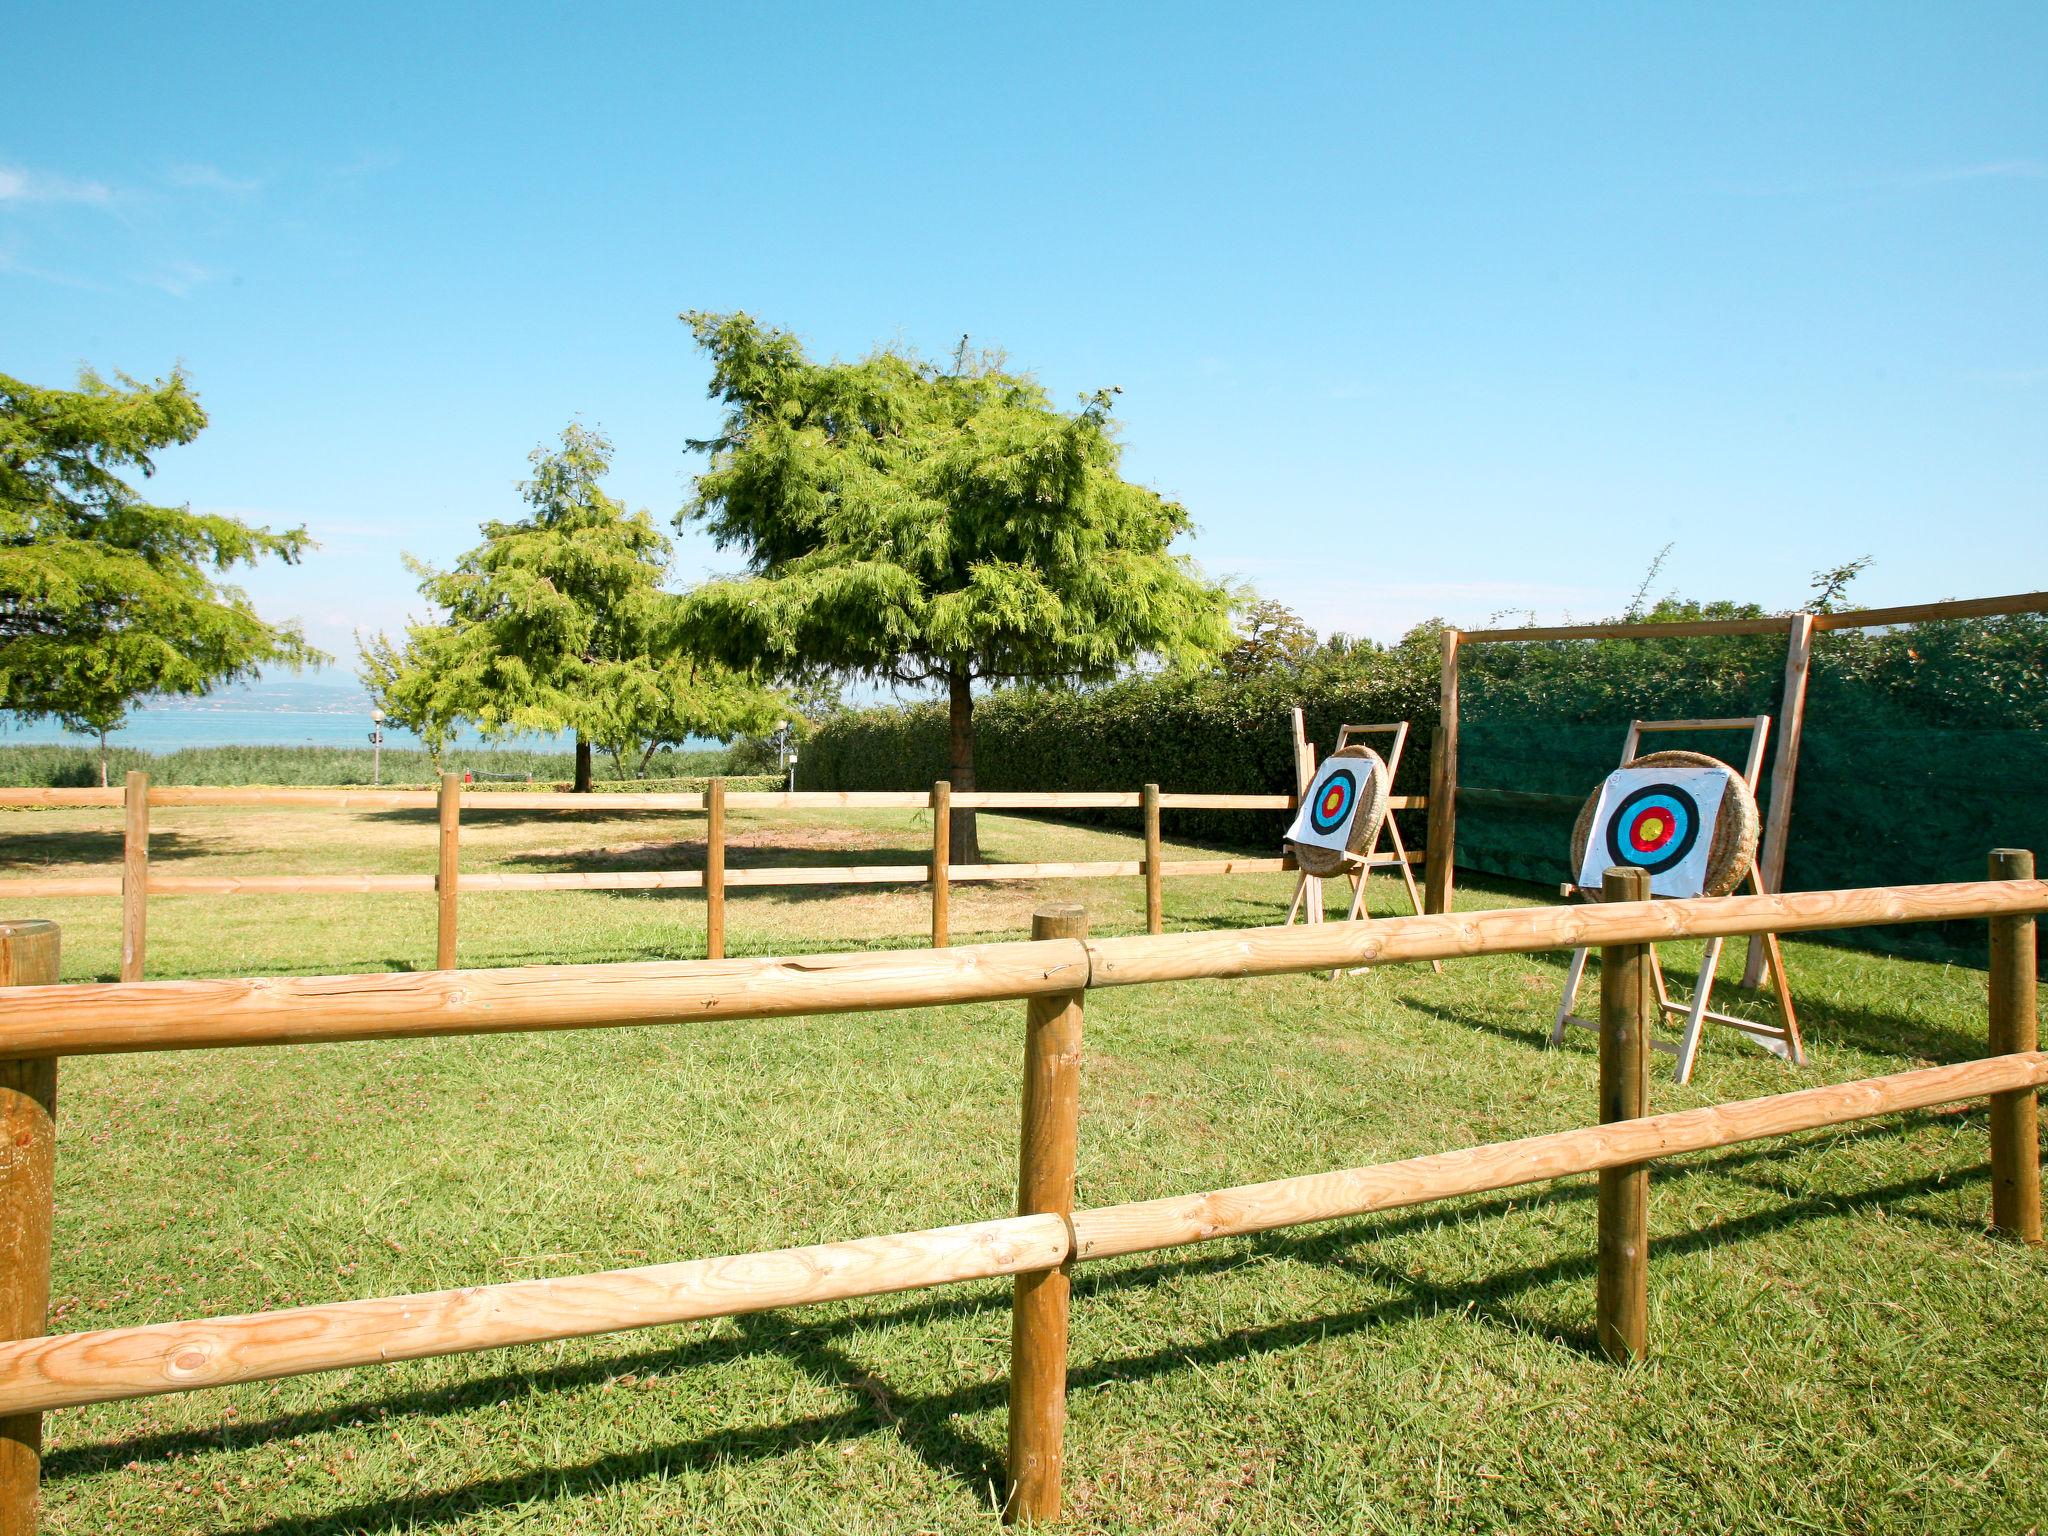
(137, 883)
(1053, 973)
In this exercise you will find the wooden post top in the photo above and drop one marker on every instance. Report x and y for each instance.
(1065, 920)
(25, 927)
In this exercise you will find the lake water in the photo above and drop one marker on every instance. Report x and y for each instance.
(283, 712)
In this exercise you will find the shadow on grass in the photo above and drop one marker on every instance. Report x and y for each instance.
(928, 1425)
(26, 851)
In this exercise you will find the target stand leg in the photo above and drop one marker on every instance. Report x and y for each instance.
(1294, 907)
(1572, 978)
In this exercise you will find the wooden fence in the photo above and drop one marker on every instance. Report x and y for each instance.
(137, 883)
(41, 1022)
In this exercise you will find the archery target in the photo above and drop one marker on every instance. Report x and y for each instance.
(1342, 812)
(1660, 820)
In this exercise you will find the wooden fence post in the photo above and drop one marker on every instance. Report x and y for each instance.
(1623, 1297)
(714, 870)
(28, 1138)
(2015, 1136)
(448, 875)
(1155, 898)
(1045, 1182)
(1770, 863)
(134, 875)
(1441, 851)
(942, 862)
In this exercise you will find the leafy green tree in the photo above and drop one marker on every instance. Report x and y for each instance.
(932, 527)
(107, 599)
(559, 622)
(1270, 638)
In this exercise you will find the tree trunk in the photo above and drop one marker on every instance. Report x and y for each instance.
(103, 759)
(966, 847)
(582, 765)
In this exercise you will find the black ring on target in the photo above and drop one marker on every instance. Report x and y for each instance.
(1653, 828)
(1333, 802)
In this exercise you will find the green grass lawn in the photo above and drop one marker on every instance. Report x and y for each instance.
(1837, 1344)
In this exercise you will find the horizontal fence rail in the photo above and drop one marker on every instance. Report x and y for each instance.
(137, 883)
(89, 1018)
(41, 1022)
(72, 1369)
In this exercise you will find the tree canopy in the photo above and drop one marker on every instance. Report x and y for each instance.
(932, 526)
(107, 599)
(560, 622)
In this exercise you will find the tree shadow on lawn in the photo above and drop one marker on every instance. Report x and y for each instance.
(37, 850)
(927, 1424)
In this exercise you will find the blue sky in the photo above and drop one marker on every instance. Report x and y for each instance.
(1446, 310)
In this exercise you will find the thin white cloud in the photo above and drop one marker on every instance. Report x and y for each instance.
(2011, 378)
(1994, 170)
(18, 184)
(12, 266)
(178, 278)
(197, 176)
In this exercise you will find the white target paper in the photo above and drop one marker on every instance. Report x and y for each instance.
(1331, 805)
(1656, 819)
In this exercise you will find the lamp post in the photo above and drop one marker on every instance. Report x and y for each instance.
(376, 746)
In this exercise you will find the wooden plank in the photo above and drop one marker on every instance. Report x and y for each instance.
(830, 800)
(1770, 865)
(60, 885)
(587, 880)
(29, 956)
(1141, 1226)
(250, 797)
(2015, 1030)
(1100, 869)
(135, 876)
(1440, 850)
(942, 862)
(114, 1363)
(97, 1017)
(291, 885)
(1173, 867)
(1677, 630)
(1392, 940)
(1718, 723)
(73, 1369)
(1621, 1307)
(448, 871)
(1047, 1156)
(29, 798)
(837, 874)
(715, 878)
(1921, 613)
(1201, 802)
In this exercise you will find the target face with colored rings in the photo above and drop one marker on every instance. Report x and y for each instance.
(1335, 803)
(1654, 828)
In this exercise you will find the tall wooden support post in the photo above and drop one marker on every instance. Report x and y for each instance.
(1441, 853)
(942, 863)
(2015, 1026)
(134, 875)
(448, 872)
(1626, 1002)
(714, 870)
(28, 1161)
(1155, 896)
(1045, 1182)
(1770, 863)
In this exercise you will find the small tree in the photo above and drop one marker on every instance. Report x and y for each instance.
(932, 527)
(106, 599)
(559, 622)
(1270, 638)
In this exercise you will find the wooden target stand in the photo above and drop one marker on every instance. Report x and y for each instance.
(1308, 889)
(1780, 1039)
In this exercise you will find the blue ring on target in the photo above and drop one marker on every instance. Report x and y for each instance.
(1654, 828)
(1334, 802)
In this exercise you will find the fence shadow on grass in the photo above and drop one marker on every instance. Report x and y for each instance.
(927, 1424)
(41, 853)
